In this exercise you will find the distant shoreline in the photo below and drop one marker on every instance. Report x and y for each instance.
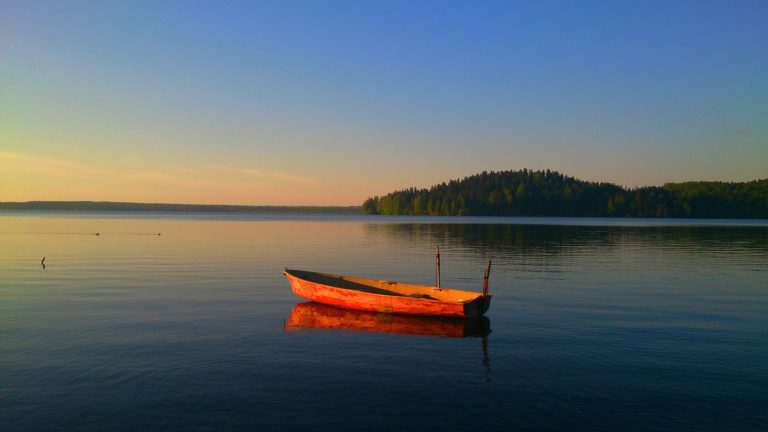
(107, 206)
(127, 207)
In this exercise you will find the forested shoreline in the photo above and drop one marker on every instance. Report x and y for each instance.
(164, 207)
(549, 193)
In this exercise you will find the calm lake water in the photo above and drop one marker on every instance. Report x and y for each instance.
(595, 325)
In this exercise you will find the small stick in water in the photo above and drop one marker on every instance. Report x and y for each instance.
(42, 262)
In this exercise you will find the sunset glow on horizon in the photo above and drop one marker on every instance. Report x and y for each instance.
(328, 103)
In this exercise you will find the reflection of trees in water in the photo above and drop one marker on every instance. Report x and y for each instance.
(545, 240)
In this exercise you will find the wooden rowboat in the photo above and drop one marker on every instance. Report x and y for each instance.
(386, 296)
(315, 316)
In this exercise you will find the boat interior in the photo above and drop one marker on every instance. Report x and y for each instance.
(385, 287)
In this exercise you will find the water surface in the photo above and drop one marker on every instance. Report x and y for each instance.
(595, 325)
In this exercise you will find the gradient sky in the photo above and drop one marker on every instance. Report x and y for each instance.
(327, 102)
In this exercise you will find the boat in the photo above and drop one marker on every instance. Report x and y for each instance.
(389, 297)
(315, 316)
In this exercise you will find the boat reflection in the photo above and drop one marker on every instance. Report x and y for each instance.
(310, 316)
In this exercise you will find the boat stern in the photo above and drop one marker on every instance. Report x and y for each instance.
(477, 307)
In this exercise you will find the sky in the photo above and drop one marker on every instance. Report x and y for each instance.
(330, 102)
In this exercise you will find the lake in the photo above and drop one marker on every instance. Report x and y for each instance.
(596, 324)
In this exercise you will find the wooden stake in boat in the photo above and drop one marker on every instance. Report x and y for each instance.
(437, 265)
(485, 279)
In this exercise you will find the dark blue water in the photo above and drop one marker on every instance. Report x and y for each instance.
(595, 325)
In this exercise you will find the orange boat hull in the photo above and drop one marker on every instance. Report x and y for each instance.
(471, 305)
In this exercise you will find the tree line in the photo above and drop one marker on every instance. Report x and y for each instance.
(549, 193)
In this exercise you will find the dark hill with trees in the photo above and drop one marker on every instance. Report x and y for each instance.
(549, 193)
